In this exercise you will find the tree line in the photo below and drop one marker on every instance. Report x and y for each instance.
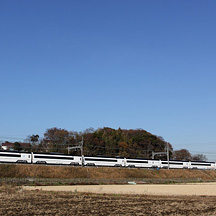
(136, 143)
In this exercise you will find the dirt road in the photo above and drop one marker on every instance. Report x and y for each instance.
(196, 189)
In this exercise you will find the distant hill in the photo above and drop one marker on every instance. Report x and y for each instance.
(122, 143)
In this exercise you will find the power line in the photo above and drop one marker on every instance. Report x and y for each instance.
(202, 152)
(14, 138)
(196, 144)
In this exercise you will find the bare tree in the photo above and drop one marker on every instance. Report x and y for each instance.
(199, 157)
(182, 154)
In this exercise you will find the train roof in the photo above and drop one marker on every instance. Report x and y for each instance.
(52, 153)
(14, 151)
(101, 156)
(202, 161)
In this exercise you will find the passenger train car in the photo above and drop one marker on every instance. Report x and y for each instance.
(54, 158)
(62, 159)
(15, 157)
(103, 161)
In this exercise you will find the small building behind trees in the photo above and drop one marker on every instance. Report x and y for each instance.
(16, 146)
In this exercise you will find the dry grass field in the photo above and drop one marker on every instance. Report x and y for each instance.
(16, 201)
(67, 172)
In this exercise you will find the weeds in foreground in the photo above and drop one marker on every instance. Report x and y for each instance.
(9, 188)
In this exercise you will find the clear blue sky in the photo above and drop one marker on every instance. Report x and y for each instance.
(130, 64)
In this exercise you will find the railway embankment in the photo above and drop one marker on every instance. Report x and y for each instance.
(100, 175)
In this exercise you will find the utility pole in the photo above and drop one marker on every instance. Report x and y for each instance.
(157, 153)
(81, 149)
(78, 146)
(160, 153)
(168, 155)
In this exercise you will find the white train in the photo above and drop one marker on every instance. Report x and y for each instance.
(62, 159)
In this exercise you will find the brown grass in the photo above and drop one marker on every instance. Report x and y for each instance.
(15, 201)
(39, 171)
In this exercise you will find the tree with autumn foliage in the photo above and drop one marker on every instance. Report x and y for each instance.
(109, 142)
(104, 141)
(56, 139)
(184, 154)
(123, 147)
